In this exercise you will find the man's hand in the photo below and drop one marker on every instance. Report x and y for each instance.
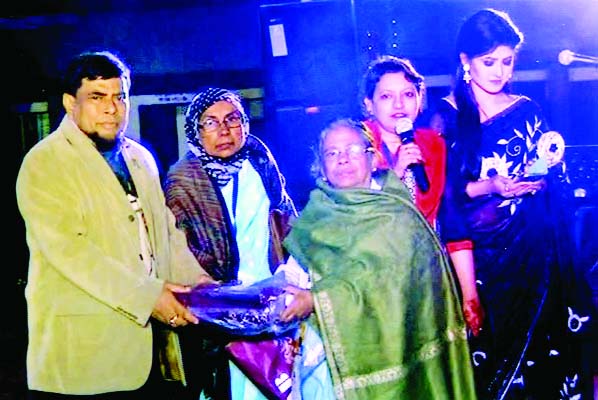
(205, 279)
(169, 310)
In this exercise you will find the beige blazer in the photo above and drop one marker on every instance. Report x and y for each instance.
(89, 295)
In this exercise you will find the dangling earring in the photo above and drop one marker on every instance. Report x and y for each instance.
(466, 74)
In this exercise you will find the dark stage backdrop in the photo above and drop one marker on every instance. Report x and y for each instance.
(311, 70)
(159, 134)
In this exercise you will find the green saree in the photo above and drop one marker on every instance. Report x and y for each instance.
(385, 300)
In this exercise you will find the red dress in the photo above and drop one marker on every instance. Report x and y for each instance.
(433, 148)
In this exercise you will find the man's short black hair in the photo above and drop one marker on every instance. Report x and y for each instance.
(92, 66)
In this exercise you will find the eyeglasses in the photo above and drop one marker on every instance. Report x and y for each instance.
(210, 125)
(354, 152)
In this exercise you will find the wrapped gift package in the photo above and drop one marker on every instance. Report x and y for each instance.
(242, 310)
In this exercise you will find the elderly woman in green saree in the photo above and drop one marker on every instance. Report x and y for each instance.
(382, 293)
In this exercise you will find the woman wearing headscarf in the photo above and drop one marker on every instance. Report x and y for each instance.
(224, 193)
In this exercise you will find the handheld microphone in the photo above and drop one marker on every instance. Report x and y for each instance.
(404, 128)
(566, 57)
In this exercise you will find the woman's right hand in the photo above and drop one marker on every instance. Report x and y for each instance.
(409, 153)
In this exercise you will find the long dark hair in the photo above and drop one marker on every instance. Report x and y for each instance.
(480, 34)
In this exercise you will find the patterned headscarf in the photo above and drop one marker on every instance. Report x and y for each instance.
(220, 169)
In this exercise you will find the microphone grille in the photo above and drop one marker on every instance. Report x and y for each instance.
(403, 125)
(565, 57)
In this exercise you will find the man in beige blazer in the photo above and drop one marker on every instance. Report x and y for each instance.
(105, 255)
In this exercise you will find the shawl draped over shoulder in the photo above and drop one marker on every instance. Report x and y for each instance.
(200, 209)
(385, 300)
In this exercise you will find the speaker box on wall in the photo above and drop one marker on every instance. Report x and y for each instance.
(309, 52)
(311, 79)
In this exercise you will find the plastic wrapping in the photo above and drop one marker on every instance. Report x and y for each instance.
(242, 310)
